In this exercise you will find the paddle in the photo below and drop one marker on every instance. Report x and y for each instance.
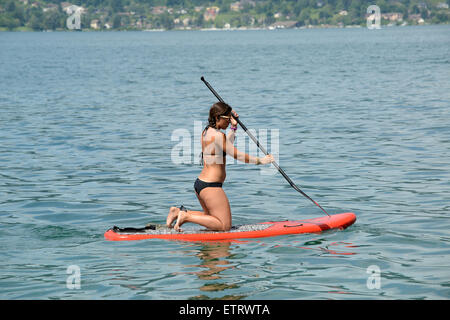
(264, 150)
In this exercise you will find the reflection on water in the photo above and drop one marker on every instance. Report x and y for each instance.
(213, 261)
(206, 269)
(328, 249)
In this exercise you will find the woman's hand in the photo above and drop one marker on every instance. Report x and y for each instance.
(267, 159)
(233, 120)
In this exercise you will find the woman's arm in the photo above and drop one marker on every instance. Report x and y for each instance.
(231, 150)
(232, 133)
(231, 136)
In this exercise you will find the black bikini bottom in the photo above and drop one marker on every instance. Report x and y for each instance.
(199, 185)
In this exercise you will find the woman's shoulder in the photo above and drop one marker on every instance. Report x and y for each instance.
(213, 133)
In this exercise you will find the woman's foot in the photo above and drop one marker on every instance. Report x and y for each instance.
(173, 214)
(182, 216)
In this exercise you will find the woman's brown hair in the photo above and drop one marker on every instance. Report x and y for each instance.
(218, 109)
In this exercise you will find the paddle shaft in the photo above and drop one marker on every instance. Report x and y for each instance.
(293, 185)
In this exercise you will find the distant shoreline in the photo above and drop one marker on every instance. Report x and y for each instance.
(25, 29)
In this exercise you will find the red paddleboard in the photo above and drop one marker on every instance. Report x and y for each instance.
(259, 230)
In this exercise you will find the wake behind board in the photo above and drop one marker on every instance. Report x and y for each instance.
(259, 230)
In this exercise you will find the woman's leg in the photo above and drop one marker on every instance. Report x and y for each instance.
(173, 212)
(202, 203)
(218, 216)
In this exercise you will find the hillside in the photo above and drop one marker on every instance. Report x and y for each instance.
(222, 14)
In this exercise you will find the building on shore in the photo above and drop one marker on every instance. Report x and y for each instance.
(283, 25)
(95, 24)
(159, 10)
(211, 13)
(392, 16)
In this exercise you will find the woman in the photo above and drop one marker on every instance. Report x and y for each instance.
(216, 214)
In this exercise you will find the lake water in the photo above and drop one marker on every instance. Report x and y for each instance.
(87, 123)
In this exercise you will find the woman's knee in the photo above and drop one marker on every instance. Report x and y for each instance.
(226, 226)
(225, 221)
(217, 205)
